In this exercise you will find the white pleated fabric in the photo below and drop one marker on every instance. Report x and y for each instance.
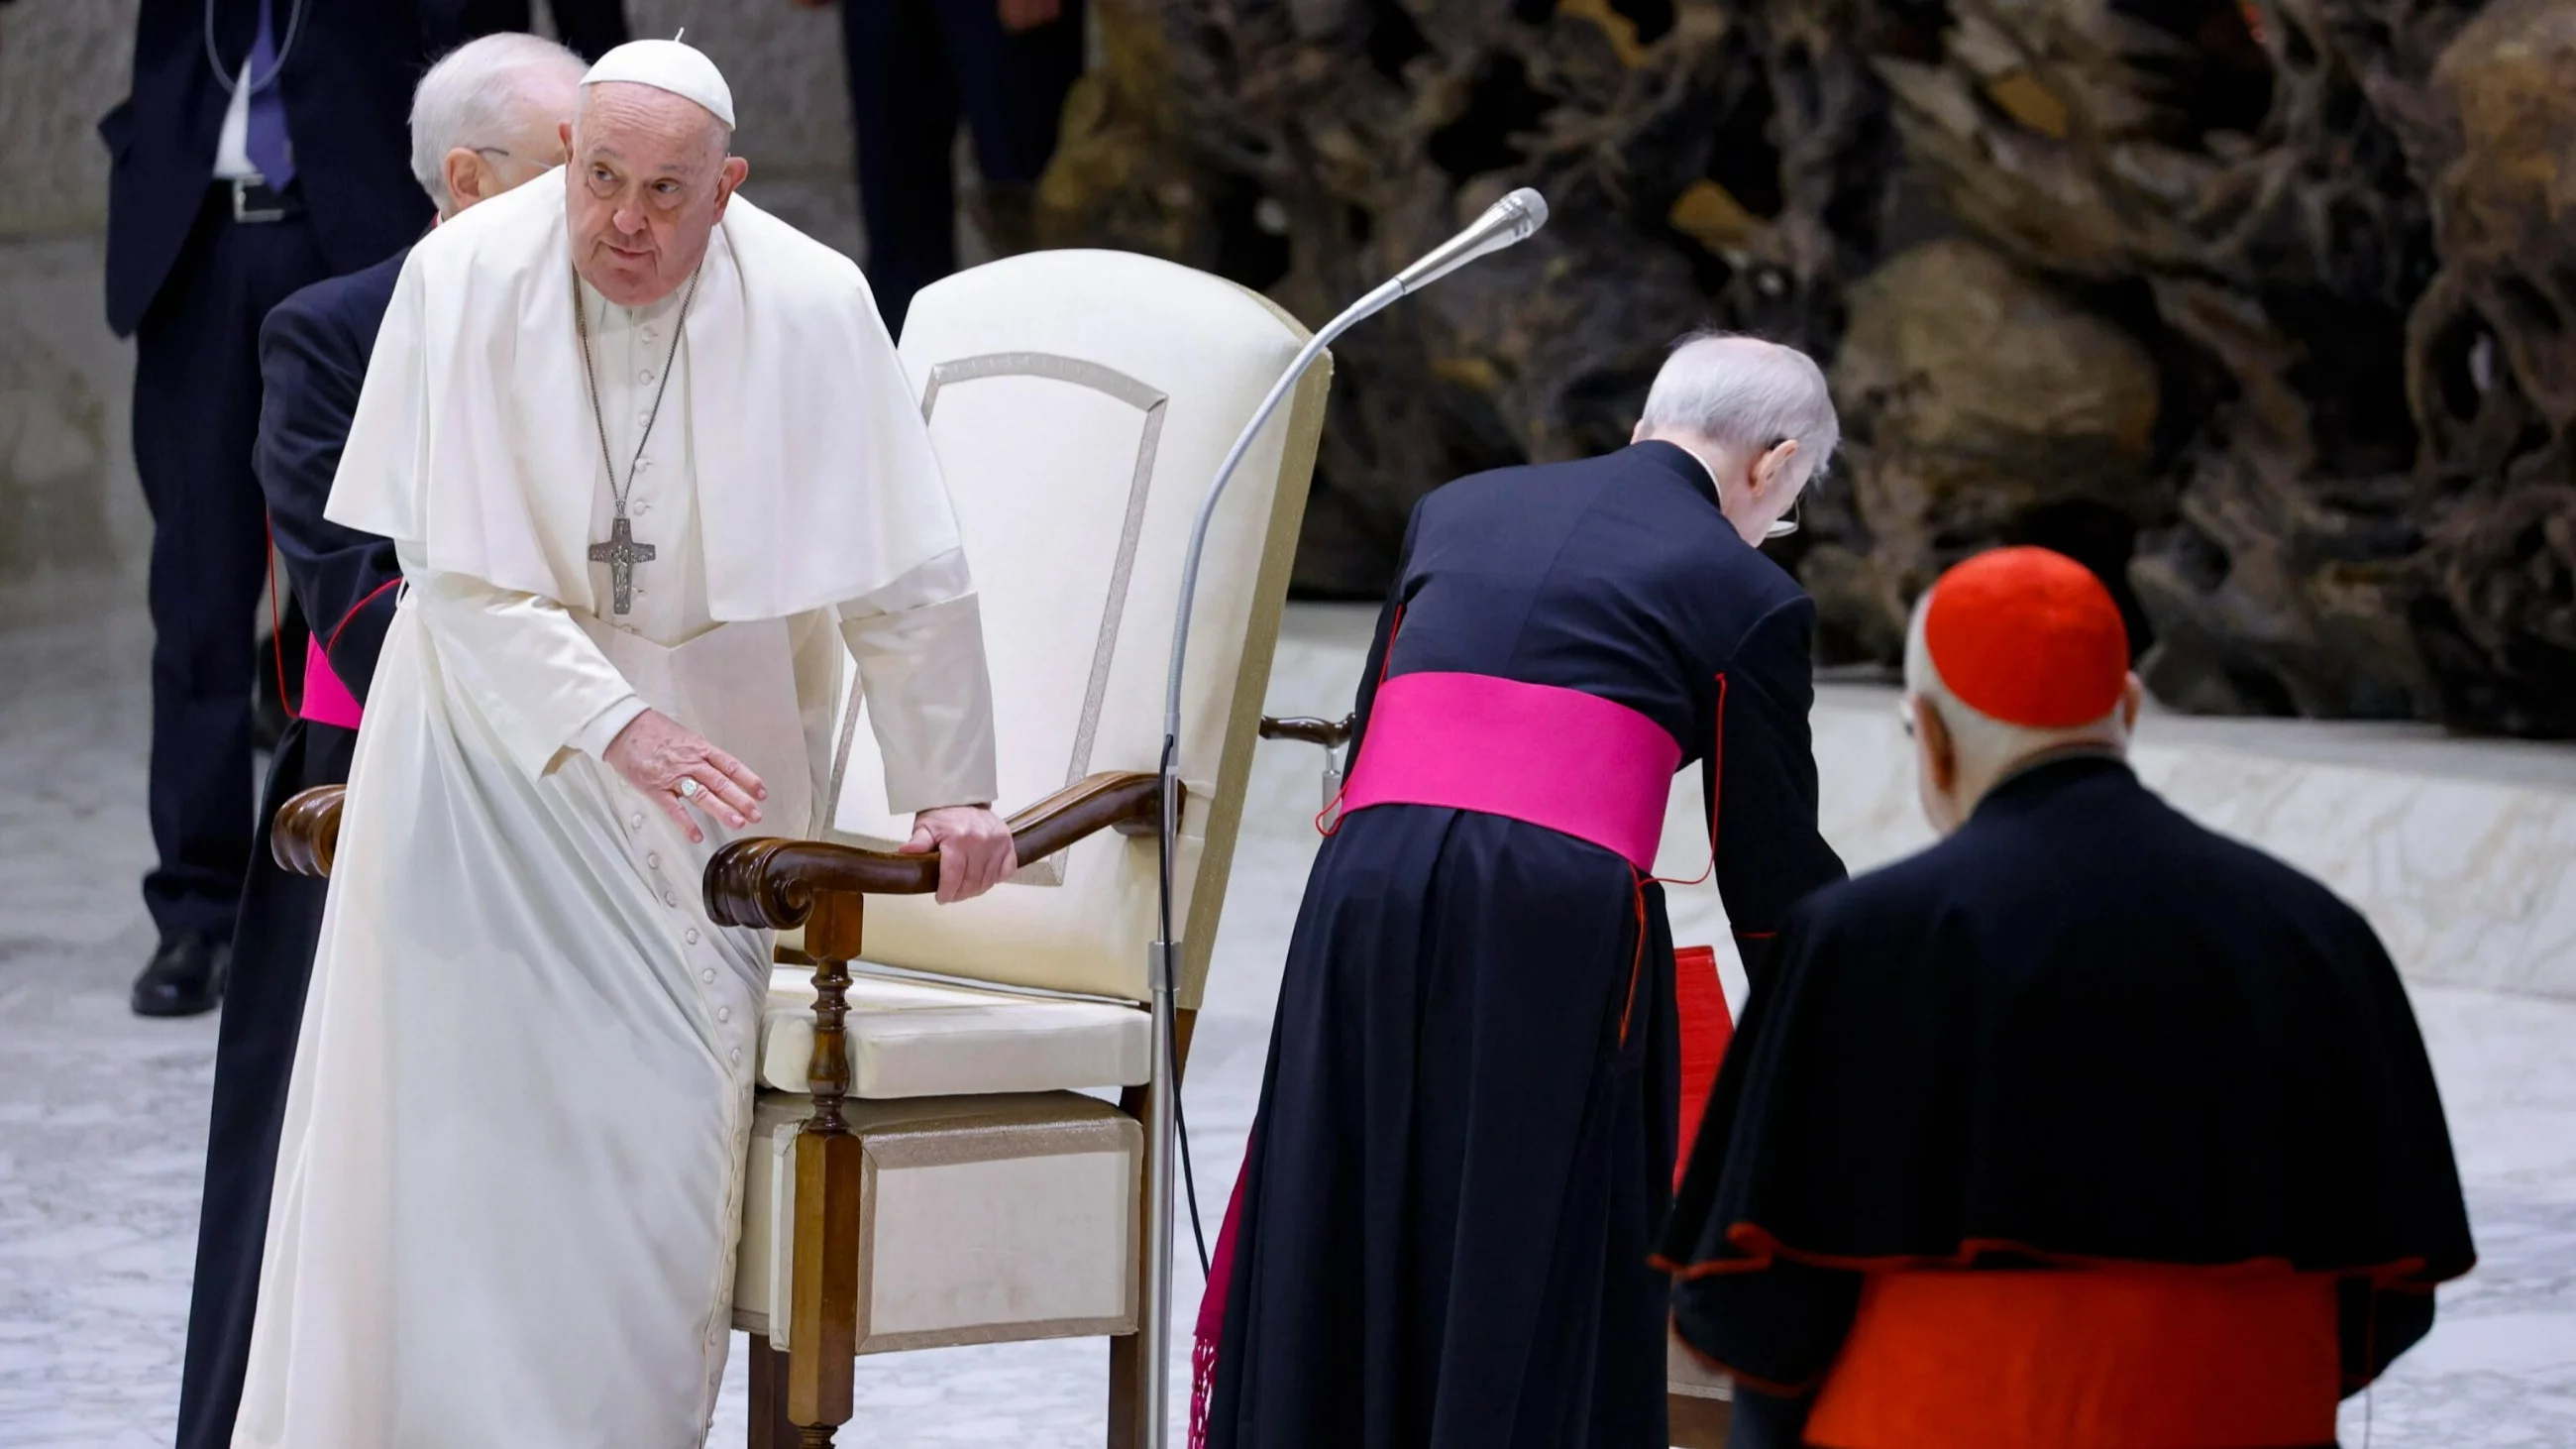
(510, 1177)
(510, 1173)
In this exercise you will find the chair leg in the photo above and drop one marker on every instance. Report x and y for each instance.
(1127, 1391)
(1698, 1423)
(830, 1167)
(769, 1426)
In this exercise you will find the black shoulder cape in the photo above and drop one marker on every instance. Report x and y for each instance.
(2082, 1031)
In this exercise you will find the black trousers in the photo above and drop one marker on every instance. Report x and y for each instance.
(915, 67)
(196, 411)
(281, 920)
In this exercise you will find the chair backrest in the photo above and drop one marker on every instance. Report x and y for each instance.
(1080, 403)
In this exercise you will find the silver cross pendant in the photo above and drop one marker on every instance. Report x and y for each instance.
(621, 553)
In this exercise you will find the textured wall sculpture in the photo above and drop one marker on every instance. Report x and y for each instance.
(2266, 310)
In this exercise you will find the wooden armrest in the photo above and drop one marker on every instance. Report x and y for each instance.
(772, 882)
(306, 833)
(1312, 731)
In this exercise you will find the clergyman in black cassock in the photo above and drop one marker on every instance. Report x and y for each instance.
(2081, 1034)
(313, 352)
(1465, 1141)
(261, 148)
(313, 357)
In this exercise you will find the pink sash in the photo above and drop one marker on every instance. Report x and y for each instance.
(326, 699)
(1572, 762)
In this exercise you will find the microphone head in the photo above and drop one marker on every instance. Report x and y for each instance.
(1528, 209)
(1504, 223)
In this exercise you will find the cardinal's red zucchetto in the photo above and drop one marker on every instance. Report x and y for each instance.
(2029, 637)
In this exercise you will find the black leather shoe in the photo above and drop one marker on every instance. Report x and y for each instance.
(186, 976)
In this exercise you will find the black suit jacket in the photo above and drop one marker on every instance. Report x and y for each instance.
(313, 353)
(1619, 576)
(347, 85)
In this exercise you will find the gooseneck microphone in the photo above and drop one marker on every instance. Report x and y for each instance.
(1510, 220)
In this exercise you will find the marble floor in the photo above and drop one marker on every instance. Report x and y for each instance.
(102, 1118)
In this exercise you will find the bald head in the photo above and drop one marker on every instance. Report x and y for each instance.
(1757, 416)
(650, 178)
(488, 117)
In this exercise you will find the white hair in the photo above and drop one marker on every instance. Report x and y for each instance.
(1986, 745)
(1745, 393)
(471, 98)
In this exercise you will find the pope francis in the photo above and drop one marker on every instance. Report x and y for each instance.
(643, 452)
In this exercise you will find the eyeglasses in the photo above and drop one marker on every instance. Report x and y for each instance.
(506, 154)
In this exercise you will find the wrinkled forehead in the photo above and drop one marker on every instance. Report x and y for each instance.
(648, 128)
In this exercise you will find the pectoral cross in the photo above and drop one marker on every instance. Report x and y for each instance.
(621, 553)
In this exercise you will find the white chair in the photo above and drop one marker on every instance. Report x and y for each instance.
(925, 1169)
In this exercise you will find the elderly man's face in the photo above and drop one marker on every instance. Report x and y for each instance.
(647, 183)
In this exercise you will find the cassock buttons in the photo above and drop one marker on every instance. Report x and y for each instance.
(645, 376)
(634, 822)
(670, 898)
(724, 1013)
(654, 861)
(737, 1054)
(693, 935)
(708, 977)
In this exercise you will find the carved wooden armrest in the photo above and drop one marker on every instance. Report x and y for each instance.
(1309, 730)
(306, 833)
(772, 882)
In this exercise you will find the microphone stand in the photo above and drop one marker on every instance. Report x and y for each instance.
(1512, 219)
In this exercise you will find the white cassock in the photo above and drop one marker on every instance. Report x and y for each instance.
(510, 1177)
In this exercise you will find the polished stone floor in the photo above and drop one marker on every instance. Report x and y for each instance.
(102, 1117)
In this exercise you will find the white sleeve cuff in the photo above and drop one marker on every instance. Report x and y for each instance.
(594, 738)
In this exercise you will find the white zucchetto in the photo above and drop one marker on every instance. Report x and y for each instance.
(668, 65)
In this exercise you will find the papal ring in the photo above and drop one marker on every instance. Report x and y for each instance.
(689, 789)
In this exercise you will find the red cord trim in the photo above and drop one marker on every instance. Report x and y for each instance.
(1763, 1251)
(1637, 959)
(276, 644)
(1716, 776)
(360, 607)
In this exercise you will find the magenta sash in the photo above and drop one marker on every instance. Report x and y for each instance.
(1572, 762)
(326, 699)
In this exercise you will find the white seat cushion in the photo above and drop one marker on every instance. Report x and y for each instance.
(913, 1038)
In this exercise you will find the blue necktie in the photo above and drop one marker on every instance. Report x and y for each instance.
(267, 144)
